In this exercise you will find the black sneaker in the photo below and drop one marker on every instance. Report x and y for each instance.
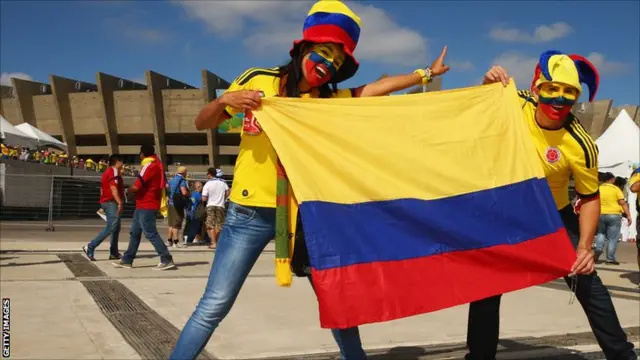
(120, 264)
(115, 257)
(612, 262)
(165, 266)
(85, 250)
(596, 256)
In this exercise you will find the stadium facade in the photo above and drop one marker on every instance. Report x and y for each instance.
(117, 115)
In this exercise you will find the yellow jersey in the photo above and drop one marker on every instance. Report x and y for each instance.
(610, 195)
(255, 178)
(568, 150)
(635, 177)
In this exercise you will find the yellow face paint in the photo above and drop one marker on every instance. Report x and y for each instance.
(331, 53)
(554, 90)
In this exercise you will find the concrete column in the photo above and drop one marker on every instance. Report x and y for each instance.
(211, 82)
(601, 111)
(61, 88)
(155, 84)
(24, 92)
(107, 84)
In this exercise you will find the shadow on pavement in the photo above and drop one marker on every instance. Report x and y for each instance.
(13, 264)
(633, 276)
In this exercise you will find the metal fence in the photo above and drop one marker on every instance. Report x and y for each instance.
(57, 200)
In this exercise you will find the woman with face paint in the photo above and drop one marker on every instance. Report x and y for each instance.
(319, 62)
(564, 148)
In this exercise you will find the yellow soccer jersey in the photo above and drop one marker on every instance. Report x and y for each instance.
(255, 178)
(610, 195)
(635, 177)
(568, 150)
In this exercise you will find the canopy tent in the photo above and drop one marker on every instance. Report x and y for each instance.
(41, 137)
(10, 135)
(619, 152)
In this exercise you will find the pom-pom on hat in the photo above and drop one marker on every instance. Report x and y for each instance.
(331, 21)
(572, 70)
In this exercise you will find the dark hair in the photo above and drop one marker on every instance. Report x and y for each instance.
(147, 150)
(607, 177)
(293, 71)
(113, 159)
(620, 182)
(211, 171)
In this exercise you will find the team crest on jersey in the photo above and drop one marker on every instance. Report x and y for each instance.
(552, 154)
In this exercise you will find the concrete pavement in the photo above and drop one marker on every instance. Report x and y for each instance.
(62, 307)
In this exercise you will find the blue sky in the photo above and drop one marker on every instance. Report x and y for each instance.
(75, 39)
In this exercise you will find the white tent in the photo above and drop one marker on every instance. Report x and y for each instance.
(41, 137)
(619, 151)
(10, 135)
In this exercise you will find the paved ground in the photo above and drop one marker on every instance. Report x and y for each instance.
(63, 307)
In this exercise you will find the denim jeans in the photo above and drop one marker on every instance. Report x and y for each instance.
(484, 315)
(608, 229)
(245, 234)
(144, 221)
(111, 228)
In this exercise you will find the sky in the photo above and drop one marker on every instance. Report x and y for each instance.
(76, 39)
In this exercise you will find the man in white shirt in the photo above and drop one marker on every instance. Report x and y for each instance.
(215, 193)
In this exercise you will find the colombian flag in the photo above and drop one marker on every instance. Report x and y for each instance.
(415, 203)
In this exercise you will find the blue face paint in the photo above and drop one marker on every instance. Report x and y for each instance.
(557, 101)
(321, 60)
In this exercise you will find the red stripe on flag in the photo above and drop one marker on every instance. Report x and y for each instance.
(381, 291)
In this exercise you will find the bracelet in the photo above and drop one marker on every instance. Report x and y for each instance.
(425, 74)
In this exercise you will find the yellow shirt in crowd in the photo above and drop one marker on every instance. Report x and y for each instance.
(609, 197)
(635, 177)
(255, 178)
(569, 150)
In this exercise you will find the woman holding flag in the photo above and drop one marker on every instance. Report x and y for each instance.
(564, 148)
(319, 61)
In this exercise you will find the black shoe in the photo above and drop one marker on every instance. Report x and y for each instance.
(612, 262)
(596, 256)
(118, 256)
(85, 250)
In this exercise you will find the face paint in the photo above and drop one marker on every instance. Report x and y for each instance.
(322, 63)
(556, 100)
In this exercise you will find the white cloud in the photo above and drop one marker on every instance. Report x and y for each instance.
(541, 34)
(5, 77)
(267, 29)
(519, 67)
(606, 67)
(460, 66)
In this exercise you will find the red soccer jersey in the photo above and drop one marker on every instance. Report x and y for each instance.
(150, 188)
(111, 177)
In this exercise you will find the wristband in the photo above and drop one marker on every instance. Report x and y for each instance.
(425, 74)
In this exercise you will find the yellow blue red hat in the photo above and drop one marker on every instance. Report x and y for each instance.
(331, 21)
(572, 70)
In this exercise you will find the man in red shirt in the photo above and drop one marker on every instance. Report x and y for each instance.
(148, 190)
(111, 201)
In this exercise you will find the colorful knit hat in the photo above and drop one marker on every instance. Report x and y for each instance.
(567, 69)
(331, 21)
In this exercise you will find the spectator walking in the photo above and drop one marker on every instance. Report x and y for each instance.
(612, 205)
(148, 193)
(215, 193)
(178, 201)
(111, 202)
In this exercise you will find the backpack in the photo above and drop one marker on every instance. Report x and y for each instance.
(179, 201)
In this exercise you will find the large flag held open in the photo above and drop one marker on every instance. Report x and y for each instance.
(415, 203)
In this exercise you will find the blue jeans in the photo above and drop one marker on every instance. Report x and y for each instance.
(245, 234)
(609, 229)
(112, 228)
(144, 221)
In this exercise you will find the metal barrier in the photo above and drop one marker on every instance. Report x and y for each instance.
(71, 201)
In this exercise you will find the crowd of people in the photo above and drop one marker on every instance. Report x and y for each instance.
(319, 61)
(59, 158)
(196, 209)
